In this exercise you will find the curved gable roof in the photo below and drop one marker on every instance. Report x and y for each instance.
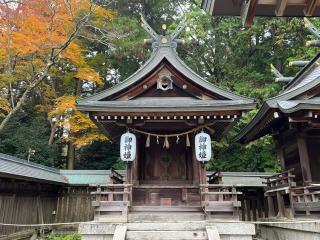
(160, 54)
(308, 78)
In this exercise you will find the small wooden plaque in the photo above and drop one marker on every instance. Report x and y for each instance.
(165, 201)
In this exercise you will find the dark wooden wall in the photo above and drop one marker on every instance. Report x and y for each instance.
(74, 205)
(314, 155)
(299, 150)
(253, 204)
(23, 202)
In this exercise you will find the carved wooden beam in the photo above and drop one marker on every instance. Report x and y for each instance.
(313, 43)
(178, 30)
(248, 11)
(298, 63)
(284, 79)
(148, 28)
(312, 28)
(279, 76)
(281, 7)
(310, 7)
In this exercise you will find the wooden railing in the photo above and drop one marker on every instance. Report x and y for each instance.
(306, 200)
(278, 186)
(112, 199)
(219, 200)
(281, 180)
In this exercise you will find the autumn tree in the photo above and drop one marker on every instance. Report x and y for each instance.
(76, 128)
(40, 52)
(38, 35)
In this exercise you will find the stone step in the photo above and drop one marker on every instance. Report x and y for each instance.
(165, 216)
(166, 209)
(167, 235)
(167, 226)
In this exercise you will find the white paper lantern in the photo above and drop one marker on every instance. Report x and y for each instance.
(203, 147)
(128, 147)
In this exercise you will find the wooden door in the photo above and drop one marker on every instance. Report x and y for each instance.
(166, 166)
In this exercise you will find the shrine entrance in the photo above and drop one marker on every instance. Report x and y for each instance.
(166, 176)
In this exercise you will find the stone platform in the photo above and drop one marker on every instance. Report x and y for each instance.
(170, 230)
(290, 231)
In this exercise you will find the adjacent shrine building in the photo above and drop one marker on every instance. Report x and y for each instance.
(165, 104)
(292, 118)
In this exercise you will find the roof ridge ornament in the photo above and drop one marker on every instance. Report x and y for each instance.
(158, 40)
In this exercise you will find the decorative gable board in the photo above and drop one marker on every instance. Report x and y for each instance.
(149, 86)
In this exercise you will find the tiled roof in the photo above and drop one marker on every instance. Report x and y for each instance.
(160, 54)
(17, 168)
(292, 98)
(86, 177)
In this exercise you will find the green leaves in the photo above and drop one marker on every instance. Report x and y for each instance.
(61, 237)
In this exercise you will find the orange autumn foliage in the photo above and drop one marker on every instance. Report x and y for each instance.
(33, 28)
(88, 74)
(82, 130)
(4, 107)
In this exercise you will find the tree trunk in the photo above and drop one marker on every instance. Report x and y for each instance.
(24, 97)
(71, 156)
(53, 131)
(21, 101)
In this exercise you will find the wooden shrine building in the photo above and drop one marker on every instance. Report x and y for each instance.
(293, 119)
(248, 9)
(164, 104)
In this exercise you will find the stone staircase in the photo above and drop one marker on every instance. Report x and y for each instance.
(167, 230)
(162, 225)
(155, 214)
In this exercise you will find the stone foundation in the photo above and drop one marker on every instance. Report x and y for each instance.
(201, 230)
(290, 231)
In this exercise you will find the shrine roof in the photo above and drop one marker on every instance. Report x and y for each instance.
(268, 8)
(17, 168)
(160, 54)
(165, 104)
(296, 105)
(87, 177)
(291, 99)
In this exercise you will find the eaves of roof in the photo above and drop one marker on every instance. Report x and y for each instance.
(165, 105)
(289, 93)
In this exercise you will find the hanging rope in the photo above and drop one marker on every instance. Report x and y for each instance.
(175, 134)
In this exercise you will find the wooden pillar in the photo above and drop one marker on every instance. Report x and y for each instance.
(304, 157)
(136, 162)
(280, 151)
(128, 190)
(243, 210)
(280, 203)
(254, 209)
(271, 212)
(248, 209)
(129, 172)
(195, 163)
(280, 155)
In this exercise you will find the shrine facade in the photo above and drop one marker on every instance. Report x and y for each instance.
(165, 105)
